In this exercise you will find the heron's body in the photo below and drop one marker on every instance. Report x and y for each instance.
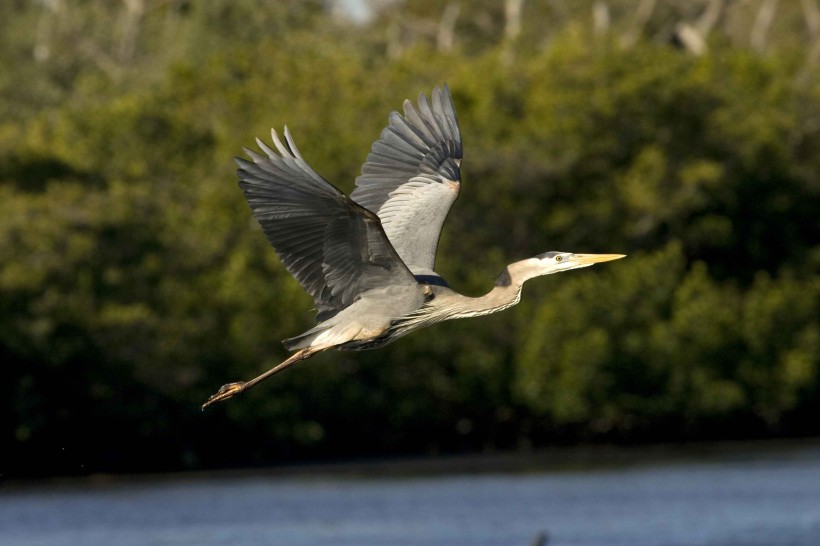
(369, 259)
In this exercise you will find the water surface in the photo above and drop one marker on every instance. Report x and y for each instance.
(750, 499)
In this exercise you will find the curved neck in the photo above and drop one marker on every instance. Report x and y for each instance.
(448, 304)
(505, 294)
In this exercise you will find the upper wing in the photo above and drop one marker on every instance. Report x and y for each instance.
(335, 248)
(412, 176)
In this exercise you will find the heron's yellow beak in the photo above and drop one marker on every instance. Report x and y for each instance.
(595, 258)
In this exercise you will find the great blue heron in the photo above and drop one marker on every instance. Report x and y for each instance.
(368, 259)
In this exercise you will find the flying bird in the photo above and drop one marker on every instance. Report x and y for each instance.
(368, 259)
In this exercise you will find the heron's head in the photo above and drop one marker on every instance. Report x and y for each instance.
(555, 262)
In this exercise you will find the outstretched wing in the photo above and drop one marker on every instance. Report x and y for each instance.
(412, 176)
(335, 248)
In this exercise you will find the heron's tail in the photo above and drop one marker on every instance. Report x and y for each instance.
(305, 339)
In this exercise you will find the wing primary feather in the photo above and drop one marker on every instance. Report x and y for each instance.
(258, 159)
(415, 118)
(292, 145)
(438, 112)
(265, 148)
(283, 151)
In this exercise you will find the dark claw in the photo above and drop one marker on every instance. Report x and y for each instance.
(225, 392)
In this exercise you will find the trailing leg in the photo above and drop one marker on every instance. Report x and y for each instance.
(232, 389)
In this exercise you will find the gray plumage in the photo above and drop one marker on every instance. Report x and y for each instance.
(368, 260)
(335, 248)
(412, 176)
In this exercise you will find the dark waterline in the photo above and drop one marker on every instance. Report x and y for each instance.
(730, 498)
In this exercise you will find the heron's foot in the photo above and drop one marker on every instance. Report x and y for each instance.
(225, 392)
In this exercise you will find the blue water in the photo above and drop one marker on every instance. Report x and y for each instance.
(747, 500)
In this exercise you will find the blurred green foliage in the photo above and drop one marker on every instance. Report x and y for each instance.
(134, 281)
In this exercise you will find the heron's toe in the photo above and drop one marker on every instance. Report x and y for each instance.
(225, 392)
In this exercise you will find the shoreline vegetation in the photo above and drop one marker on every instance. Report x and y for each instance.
(555, 460)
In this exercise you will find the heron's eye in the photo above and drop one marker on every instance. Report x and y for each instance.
(559, 258)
